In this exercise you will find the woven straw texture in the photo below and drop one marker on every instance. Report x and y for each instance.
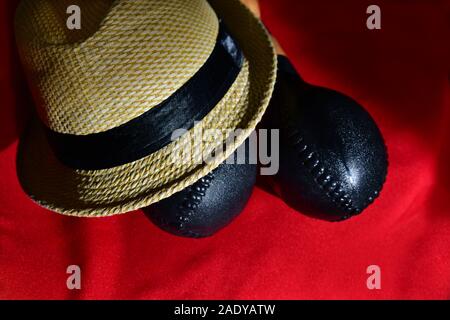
(142, 53)
(111, 74)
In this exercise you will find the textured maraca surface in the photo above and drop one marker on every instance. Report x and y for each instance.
(208, 205)
(333, 160)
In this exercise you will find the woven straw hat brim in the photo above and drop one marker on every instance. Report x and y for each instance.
(96, 193)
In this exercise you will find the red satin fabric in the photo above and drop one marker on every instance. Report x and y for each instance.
(400, 73)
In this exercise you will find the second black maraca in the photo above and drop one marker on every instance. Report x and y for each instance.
(333, 159)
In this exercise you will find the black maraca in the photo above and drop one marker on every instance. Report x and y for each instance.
(333, 159)
(209, 204)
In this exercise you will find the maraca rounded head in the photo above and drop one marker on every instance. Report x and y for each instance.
(208, 205)
(333, 159)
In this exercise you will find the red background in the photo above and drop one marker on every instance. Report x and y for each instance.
(400, 73)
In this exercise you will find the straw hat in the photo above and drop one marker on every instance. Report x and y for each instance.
(109, 95)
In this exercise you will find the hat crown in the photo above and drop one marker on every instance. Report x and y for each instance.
(128, 57)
